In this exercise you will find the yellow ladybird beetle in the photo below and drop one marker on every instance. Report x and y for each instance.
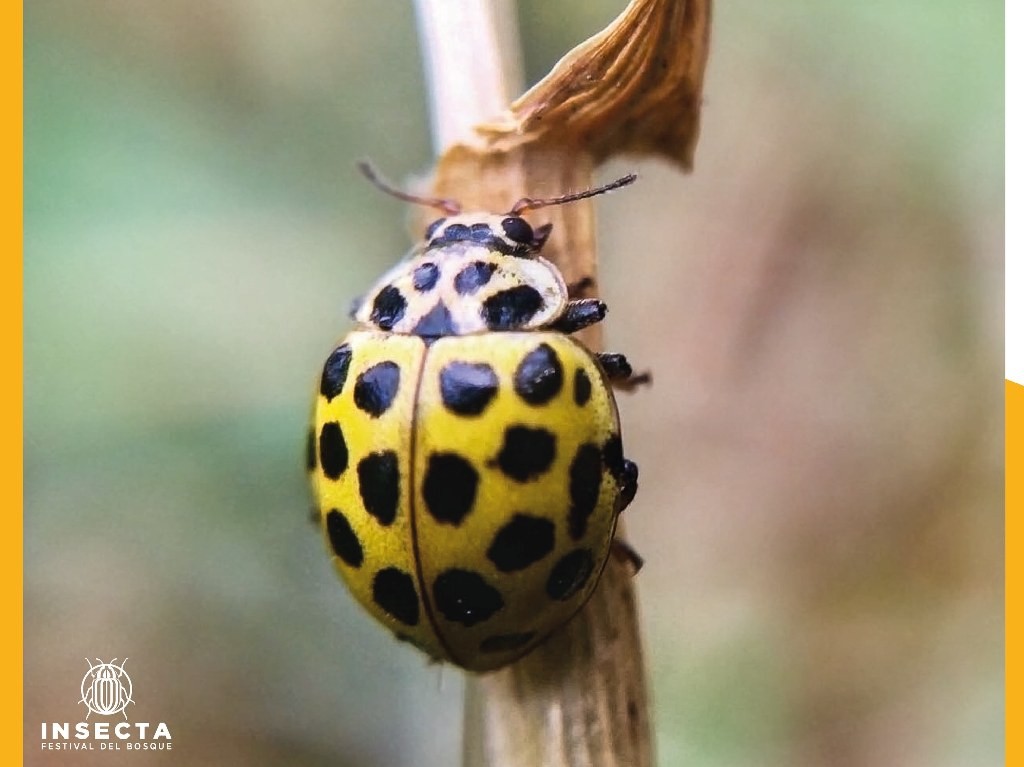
(465, 452)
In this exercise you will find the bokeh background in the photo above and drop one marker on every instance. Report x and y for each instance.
(820, 302)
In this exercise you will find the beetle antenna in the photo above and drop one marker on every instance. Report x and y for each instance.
(531, 203)
(451, 207)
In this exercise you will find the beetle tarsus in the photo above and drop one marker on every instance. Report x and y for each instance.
(580, 314)
(620, 372)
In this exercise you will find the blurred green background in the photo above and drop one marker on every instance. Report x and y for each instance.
(820, 302)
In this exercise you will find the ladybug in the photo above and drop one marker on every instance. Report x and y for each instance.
(465, 453)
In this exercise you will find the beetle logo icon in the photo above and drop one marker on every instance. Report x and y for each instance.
(106, 688)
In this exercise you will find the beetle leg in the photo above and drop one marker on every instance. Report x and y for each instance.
(576, 288)
(353, 308)
(623, 552)
(620, 372)
(579, 314)
(628, 484)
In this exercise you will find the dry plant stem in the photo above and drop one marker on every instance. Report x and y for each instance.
(580, 699)
(471, 59)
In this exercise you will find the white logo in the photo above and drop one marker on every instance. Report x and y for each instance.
(106, 688)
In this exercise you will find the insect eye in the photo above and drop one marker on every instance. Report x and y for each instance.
(517, 230)
(432, 229)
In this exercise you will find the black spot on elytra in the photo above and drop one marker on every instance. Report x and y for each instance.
(511, 308)
(463, 596)
(435, 323)
(332, 380)
(581, 387)
(388, 308)
(467, 388)
(378, 485)
(424, 277)
(584, 487)
(395, 593)
(538, 378)
(612, 454)
(526, 452)
(343, 539)
(521, 542)
(570, 574)
(333, 450)
(449, 487)
(310, 450)
(376, 388)
(473, 277)
(506, 642)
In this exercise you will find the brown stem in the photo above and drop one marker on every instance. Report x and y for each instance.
(580, 699)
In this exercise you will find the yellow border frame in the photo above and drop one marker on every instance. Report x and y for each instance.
(1014, 564)
(11, 553)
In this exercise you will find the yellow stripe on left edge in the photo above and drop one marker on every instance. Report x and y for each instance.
(1014, 468)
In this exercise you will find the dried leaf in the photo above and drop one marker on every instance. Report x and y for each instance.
(635, 87)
